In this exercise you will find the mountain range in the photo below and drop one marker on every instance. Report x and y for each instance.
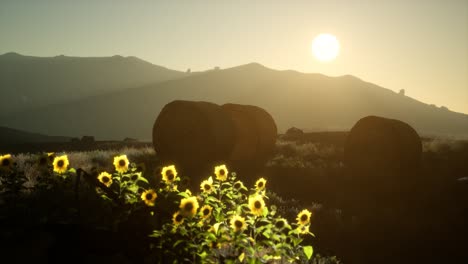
(117, 97)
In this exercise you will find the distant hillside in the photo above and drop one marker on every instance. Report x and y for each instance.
(308, 101)
(10, 136)
(27, 82)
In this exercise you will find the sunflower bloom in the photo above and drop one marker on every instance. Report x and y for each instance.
(303, 229)
(6, 162)
(60, 164)
(206, 211)
(51, 156)
(105, 178)
(149, 196)
(281, 223)
(303, 218)
(238, 185)
(256, 205)
(177, 218)
(238, 223)
(260, 184)
(189, 206)
(169, 174)
(221, 172)
(207, 185)
(121, 163)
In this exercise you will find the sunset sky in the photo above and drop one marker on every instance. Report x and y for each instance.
(417, 45)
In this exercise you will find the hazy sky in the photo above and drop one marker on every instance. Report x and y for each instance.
(417, 45)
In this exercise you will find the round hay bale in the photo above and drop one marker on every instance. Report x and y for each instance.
(255, 132)
(377, 143)
(193, 135)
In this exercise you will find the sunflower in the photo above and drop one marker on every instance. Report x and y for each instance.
(206, 211)
(256, 205)
(51, 156)
(221, 172)
(303, 218)
(141, 167)
(238, 185)
(169, 174)
(303, 229)
(207, 185)
(121, 163)
(149, 196)
(189, 206)
(105, 178)
(238, 223)
(177, 218)
(6, 162)
(260, 184)
(281, 223)
(61, 164)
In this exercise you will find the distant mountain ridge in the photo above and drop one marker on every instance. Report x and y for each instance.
(28, 82)
(310, 101)
(10, 136)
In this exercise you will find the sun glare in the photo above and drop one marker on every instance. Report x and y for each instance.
(325, 47)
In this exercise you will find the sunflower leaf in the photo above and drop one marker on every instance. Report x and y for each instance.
(308, 251)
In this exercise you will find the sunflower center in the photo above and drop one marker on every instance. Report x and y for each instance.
(206, 212)
(105, 179)
(260, 184)
(280, 224)
(258, 205)
(304, 218)
(188, 207)
(238, 224)
(178, 218)
(170, 175)
(207, 187)
(149, 196)
(122, 163)
(60, 163)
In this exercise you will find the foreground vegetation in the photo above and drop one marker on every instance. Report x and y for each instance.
(225, 222)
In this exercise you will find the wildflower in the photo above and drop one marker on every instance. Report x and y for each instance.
(121, 163)
(105, 178)
(61, 164)
(189, 206)
(260, 184)
(221, 172)
(149, 196)
(206, 211)
(169, 174)
(207, 185)
(303, 218)
(256, 205)
(177, 218)
(6, 162)
(238, 223)
(238, 185)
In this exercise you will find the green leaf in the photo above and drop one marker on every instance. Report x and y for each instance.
(178, 242)
(308, 251)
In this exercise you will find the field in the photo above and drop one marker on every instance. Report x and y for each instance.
(42, 221)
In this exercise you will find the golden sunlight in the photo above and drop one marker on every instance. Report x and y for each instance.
(325, 47)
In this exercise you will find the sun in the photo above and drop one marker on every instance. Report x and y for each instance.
(325, 47)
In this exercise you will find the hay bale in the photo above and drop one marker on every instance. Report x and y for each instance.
(255, 132)
(377, 143)
(193, 135)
